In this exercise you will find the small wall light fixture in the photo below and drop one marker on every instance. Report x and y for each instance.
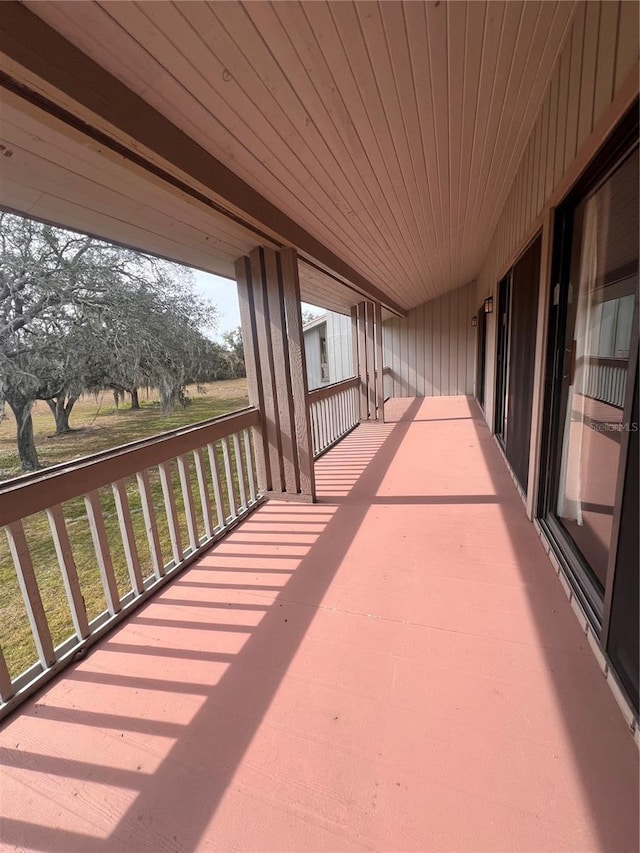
(474, 320)
(488, 305)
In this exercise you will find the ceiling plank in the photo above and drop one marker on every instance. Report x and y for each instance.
(29, 41)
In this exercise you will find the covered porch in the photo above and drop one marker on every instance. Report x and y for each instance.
(394, 667)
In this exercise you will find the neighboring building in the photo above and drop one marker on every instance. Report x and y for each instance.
(327, 346)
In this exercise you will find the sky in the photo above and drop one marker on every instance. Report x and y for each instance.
(223, 292)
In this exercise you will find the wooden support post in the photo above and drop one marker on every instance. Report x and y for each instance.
(362, 361)
(298, 371)
(282, 371)
(371, 362)
(354, 344)
(267, 378)
(253, 368)
(269, 296)
(379, 363)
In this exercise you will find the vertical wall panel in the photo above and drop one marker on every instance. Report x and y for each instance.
(444, 345)
(453, 341)
(575, 76)
(428, 349)
(551, 142)
(589, 66)
(411, 354)
(627, 45)
(542, 167)
(471, 340)
(561, 126)
(437, 347)
(607, 36)
(599, 53)
(433, 351)
(442, 351)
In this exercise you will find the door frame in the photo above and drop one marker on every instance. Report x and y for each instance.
(595, 603)
(503, 322)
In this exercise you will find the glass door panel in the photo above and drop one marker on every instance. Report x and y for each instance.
(601, 301)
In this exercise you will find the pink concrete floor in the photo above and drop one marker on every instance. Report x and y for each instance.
(394, 668)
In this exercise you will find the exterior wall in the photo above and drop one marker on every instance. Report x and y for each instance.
(337, 330)
(339, 351)
(312, 351)
(586, 96)
(431, 352)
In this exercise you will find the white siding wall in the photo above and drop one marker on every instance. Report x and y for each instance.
(312, 352)
(339, 354)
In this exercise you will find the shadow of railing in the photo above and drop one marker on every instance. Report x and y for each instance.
(210, 682)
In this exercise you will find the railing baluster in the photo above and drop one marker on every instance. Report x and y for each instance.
(321, 444)
(127, 535)
(248, 453)
(327, 432)
(227, 472)
(84, 480)
(239, 470)
(331, 404)
(314, 427)
(150, 523)
(30, 593)
(170, 509)
(6, 687)
(205, 503)
(67, 564)
(103, 555)
(187, 496)
(215, 478)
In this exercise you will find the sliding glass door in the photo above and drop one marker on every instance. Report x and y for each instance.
(591, 374)
(517, 326)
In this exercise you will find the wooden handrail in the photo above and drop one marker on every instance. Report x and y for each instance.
(41, 490)
(604, 361)
(335, 388)
(227, 496)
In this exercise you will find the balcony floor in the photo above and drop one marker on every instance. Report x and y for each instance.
(394, 668)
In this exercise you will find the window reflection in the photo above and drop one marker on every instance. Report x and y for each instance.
(602, 301)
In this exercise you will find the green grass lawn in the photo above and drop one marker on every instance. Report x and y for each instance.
(99, 426)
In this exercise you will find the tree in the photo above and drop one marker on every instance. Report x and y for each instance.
(76, 313)
(47, 279)
(308, 315)
(235, 353)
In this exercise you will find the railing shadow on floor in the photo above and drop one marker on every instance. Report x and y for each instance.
(218, 698)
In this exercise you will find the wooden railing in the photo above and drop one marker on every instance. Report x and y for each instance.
(606, 379)
(76, 535)
(334, 412)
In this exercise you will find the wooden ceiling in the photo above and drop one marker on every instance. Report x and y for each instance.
(390, 131)
(55, 173)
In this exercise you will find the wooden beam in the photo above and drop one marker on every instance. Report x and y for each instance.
(371, 365)
(362, 361)
(298, 370)
(127, 124)
(281, 375)
(267, 377)
(252, 367)
(379, 363)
